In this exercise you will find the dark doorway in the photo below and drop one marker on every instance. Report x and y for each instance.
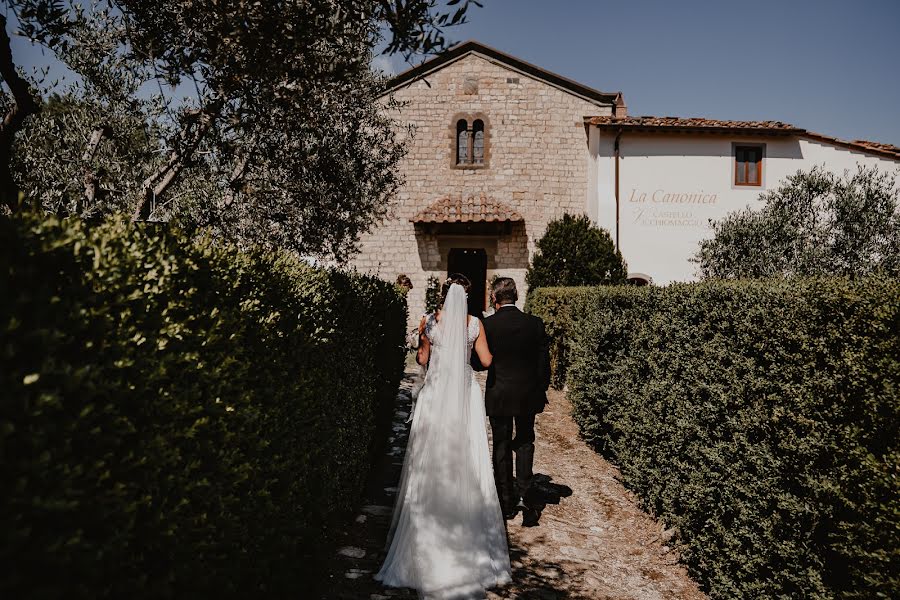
(471, 262)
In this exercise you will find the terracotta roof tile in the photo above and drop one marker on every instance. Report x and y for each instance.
(689, 123)
(878, 146)
(454, 208)
(700, 125)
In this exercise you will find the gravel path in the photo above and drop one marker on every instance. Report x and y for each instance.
(595, 544)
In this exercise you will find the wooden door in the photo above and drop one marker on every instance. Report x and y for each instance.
(471, 262)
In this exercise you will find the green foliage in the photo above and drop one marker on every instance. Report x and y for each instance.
(559, 308)
(758, 418)
(179, 419)
(575, 252)
(286, 139)
(52, 168)
(814, 224)
(432, 294)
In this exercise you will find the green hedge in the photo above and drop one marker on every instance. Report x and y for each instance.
(179, 418)
(561, 307)
(760, 419)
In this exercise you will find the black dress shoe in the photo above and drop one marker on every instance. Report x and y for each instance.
(510, 514)
(530, 517)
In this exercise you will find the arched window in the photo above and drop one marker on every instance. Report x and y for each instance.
(478, 142)
(470, 142)
(462, 142)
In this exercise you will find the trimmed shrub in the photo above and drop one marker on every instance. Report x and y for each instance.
(758, 418)
(562, 307)
(179, 418)
(573, 251)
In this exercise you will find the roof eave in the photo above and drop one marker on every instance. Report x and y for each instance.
(854, 146)
(513, 219)
(709, 130)
(862, 148)
(696, 129)
(492, 54)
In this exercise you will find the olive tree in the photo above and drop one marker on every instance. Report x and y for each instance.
(284, 137)
(815, 223)
(17, 103)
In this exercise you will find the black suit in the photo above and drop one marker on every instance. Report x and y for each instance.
(516, 388)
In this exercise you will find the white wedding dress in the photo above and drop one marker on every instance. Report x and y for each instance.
(448, 538)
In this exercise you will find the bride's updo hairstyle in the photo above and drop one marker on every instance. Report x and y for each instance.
(454, 278)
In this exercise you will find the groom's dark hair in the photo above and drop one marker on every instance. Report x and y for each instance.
(504, 291)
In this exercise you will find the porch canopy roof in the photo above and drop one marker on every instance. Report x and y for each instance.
(455, 208)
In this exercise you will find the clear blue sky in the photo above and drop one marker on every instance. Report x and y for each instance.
(829, 66)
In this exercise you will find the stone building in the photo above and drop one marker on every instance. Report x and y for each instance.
(499, 148)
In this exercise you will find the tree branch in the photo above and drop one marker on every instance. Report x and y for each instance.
(24, 105)
(195, 129)
(236, 180)
(90, 177)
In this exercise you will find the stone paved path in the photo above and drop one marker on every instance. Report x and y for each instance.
(595, 544)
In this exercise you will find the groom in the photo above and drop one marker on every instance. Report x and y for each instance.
(516, 391)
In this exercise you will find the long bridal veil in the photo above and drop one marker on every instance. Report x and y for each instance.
(448, 538)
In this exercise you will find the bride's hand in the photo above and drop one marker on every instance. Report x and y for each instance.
(424, 351)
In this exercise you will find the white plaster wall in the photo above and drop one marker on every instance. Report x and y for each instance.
(592, 202)
(606, 192)
(658, 236)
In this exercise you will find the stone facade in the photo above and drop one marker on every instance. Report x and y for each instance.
(536, 163)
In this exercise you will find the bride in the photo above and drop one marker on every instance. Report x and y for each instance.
(448, 537)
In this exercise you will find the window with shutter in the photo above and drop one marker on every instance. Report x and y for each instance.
(748, 164)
